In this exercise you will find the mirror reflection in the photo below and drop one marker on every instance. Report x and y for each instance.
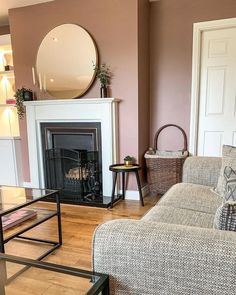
(65, 61)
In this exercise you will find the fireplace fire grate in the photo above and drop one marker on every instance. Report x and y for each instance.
(76, 173)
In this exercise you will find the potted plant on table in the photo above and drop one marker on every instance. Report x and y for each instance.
(21, 95)
(104, 75)
(128, 161)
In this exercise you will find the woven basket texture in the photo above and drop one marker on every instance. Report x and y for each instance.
(164, 169)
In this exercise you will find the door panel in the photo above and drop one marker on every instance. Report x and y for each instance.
(212, 144)
(218, 48)
(215, 93)
(217, 104)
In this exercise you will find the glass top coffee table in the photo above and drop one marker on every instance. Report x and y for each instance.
(47, 278)
(16, 208)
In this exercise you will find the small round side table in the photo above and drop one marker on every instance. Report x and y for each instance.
(121, 168)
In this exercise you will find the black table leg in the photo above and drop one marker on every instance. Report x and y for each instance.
(123, 185)
(139, 188)
(3, 276)
(59, 218)
(2, 250)
(113, 189)
(105, 291)
(3, 272)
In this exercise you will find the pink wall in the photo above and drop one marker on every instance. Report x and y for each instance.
(120, 30)
(171, 60)
(114, 26)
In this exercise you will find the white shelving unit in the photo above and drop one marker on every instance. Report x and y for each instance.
(10, 153)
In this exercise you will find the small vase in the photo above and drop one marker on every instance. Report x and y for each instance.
(27, 95)
(104, 91)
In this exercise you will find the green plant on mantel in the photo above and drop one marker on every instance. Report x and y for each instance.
(103, 74)
(19, 96)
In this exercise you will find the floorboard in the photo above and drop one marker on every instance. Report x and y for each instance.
(78, 225)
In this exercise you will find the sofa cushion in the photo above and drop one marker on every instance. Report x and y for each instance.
(202, 170)
(225, 217)
(172, 215)
(192, 197)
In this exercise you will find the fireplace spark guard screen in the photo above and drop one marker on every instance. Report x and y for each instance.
(76, 173)
(72, 159)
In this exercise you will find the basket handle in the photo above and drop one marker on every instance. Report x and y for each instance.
(170, 125)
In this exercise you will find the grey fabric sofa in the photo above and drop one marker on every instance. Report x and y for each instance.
(173, 249)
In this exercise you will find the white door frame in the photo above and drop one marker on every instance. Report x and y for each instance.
(198, 29)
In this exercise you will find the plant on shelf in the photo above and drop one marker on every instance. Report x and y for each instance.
(103, 74)
(128, 160)
(21, 95)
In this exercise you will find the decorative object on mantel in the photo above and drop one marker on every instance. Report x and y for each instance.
(129, 161)
(104, 75)
(21, 95)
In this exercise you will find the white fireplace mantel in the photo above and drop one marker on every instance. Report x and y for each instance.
(103, 110)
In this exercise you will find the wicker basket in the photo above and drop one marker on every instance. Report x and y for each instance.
(164, 168)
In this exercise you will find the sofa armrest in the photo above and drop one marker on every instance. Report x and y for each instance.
(157, 258)
(202, 170)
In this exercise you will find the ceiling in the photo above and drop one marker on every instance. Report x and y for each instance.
(7, 4)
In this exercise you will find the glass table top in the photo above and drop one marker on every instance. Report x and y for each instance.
(13, 197)
(46, 278)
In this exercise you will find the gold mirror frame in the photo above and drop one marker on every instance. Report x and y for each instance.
(65, 61)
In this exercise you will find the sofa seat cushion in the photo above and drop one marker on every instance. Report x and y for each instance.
(180, 216)
(192, 197)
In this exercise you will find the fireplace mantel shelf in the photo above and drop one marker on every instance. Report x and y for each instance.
(71, 101)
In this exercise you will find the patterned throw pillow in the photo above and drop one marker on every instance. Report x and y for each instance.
(225, 217)
(230, 179)
(228, 160)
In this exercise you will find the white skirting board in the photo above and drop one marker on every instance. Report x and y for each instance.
(27, 184)
(134, 195)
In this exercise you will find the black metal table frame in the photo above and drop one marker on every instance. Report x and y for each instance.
(17, 235)
(101, 286)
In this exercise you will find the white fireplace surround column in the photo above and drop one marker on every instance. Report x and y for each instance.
(103, 110)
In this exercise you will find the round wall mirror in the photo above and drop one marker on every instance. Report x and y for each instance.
(65, 61)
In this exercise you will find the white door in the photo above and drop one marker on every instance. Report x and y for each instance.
(217, 104)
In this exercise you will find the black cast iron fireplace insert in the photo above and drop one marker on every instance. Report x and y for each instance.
(73, 161)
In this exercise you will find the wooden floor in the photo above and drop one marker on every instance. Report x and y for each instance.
(78, 223)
